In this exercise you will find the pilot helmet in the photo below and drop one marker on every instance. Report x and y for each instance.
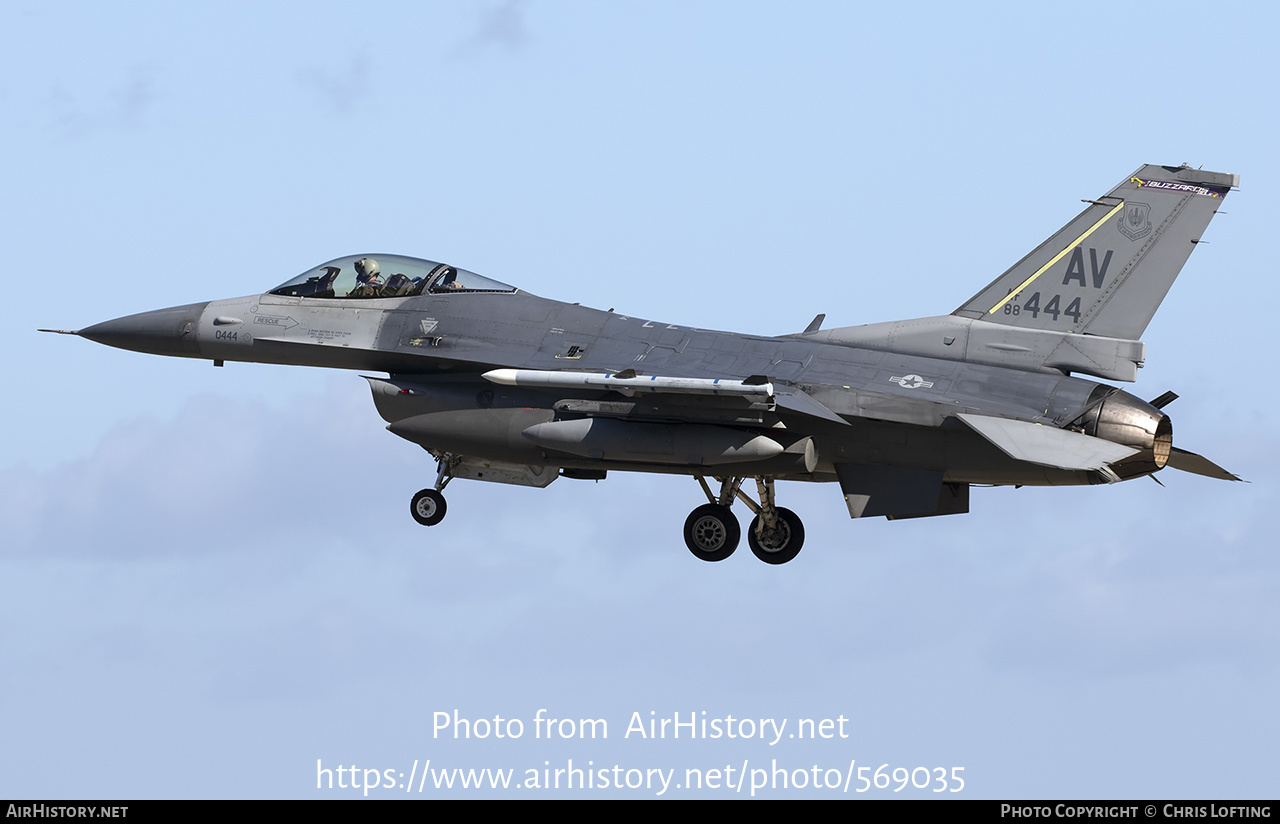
(367, 268)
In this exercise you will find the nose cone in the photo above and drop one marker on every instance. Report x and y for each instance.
(162, 332)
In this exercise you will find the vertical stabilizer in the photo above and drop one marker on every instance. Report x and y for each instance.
(1106, 272)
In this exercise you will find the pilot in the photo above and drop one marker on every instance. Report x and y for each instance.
(450, 279)
(369, 280)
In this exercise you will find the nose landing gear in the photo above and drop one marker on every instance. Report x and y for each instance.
(428, 505)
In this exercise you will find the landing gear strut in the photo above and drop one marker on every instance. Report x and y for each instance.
(776, 534)
(712, 532)
(780, 544)
(428, 506)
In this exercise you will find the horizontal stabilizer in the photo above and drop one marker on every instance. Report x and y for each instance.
(1199, 465)
(1047, 445)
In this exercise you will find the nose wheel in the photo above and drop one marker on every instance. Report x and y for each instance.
(428, 506)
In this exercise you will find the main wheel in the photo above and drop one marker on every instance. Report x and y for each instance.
(781, 544)
(711, 532)
(428, 507)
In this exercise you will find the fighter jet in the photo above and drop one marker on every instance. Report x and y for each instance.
(501, 385)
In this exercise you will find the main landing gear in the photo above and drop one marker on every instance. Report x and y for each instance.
(428, 505)
(711, 531)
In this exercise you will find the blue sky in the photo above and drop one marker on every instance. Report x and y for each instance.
(209, 579)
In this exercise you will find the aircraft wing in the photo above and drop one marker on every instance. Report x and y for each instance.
(796, 400)
(630, 384)
(1047, 445)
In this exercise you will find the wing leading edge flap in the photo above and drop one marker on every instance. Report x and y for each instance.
(1047, 445)
(796, 400)
(629, 383)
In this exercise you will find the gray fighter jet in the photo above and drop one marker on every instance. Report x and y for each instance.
(501, 385)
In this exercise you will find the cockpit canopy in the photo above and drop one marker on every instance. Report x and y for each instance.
(385, 276)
